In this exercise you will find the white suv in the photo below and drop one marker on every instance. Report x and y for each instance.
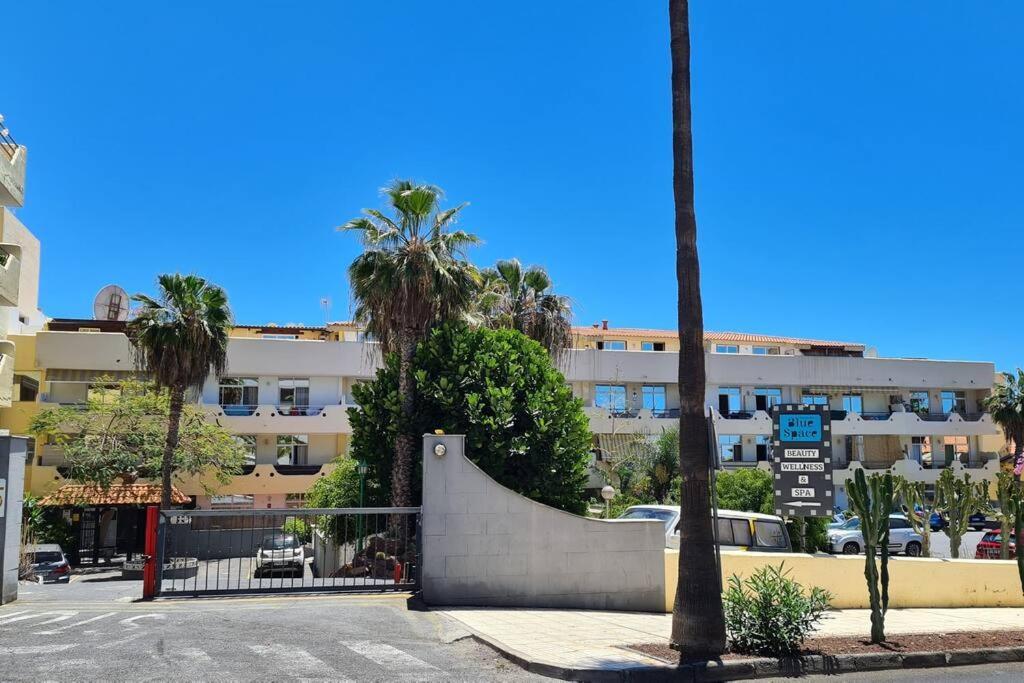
(848, 539)
(280, 551)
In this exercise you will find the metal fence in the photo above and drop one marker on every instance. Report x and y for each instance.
(203, 552)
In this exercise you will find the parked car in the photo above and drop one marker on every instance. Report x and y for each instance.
(849, 540)
(979, 521)
(937, 521)
(280, 552)
(736, 530)
(990, 546)
(49, 562)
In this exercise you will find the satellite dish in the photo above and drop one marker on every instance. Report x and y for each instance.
(110, 304)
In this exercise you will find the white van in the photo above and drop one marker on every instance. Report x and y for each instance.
(736, 530)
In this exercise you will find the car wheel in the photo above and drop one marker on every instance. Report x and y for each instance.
(850, 548)
(913, 549)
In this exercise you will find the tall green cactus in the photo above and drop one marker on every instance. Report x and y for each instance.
(871, 499)
(1007, 493)
(912, 493)
(959, 499)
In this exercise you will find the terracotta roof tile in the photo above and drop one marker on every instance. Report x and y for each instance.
(710, 336)
(115, 494)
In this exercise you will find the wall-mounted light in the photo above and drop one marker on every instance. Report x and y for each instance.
(440, 449)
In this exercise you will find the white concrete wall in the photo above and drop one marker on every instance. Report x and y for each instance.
(486, 545)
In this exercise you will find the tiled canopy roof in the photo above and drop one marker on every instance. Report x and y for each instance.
(738, 337)
(115, 494)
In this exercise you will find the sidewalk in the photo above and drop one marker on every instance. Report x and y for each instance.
(584, 639)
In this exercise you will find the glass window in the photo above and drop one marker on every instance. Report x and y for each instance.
(853, 403)
(897, 523)
(766, 350)
(769, 534)
(726, 348)
(279, 336)
(741, 532)
(654, 397)
(652, 346)
(763, 448)
(236, 502)
(729, 400)
(731, 447)
(295, 500)
(724, 531)
(612, 345)
(919, 402)
(292, 449)
(954, 402)
(611, 396)
(765, 398)
(293, 391)
(814, 399)
(239, 391)
(248, 442)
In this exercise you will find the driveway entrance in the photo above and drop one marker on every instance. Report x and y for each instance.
(202, 552)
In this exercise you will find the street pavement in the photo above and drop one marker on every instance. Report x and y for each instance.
(955, 674)
(91, 631)
(968, 544)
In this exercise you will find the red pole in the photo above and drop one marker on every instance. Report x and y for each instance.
(149, 571)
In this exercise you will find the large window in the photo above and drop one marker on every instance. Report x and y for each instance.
(279, 336)
(731, 447)
(765, 350)
(726, 348)
(295, 500)
(610, 396)
(765, 398)
(654, 397)
(814, 399)
(292, 449)
(954, 402)
(956, 448)
(236, 502)
(853, 403)
(293, 394)
(239, 395)
(763, 449)
(248, 442)
(652, 346)
(729, 400)
(919, 402)
(612, 345)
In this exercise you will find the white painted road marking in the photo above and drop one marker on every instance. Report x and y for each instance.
(126, 639)
(12, 614)
(37, 614)
(74, 625)
(193, 654)
(39, 649)
(294, 660)
(389, 657)
(130, 621)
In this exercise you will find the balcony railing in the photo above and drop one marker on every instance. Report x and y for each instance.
(297, 469)
(238, 409)
(299, 410)
(7, 143)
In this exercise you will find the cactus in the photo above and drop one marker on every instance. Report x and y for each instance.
(872, 500)
(912, 494)
(959, 499)
(1007, 493)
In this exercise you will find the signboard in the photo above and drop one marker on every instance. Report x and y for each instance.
(3, 497)
(802, 460)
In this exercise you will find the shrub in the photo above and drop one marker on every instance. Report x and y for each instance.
(298, 528)
(769, 613)
(747, 490)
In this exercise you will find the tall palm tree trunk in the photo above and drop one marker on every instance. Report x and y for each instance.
(405, 444)
(173, 427)
(698, 623)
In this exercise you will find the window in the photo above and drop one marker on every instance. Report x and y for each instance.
(764, 399)
(236, 502)
(814, 399)
(726, 348)
(956, 448)
(763, 449)
(766, 350)
(295, 500)
(652, 346)
(730, 447)
(740, 532)
(853, 403)
(293, 391)
(610, 396)
(279, 336)
(248, 442)
(897, 523)
(919, 402)
(769, 534)
(241, 392)
(654, 397)
(729, 400)
(28, 388)
(612, 345)
(30, 451)
(921, 449)
(292, 449)
(954, 402)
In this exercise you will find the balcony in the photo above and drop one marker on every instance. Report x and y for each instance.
(10, 273)
(273, 419)
(643, 421)
(912, 470)
(759, 422)
(6, 372)
(12, 169)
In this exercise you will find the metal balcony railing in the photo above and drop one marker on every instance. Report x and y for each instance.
(7, 143)
(299, 410)
(238, 409)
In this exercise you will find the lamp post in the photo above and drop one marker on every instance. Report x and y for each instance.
(362, 468)
(607, 493)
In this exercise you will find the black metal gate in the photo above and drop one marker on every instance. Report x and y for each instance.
(202, 552)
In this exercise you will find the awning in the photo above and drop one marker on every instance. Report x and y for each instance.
(92, 376)
(115, 494)
(618, 447)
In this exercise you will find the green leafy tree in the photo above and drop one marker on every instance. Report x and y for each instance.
(959, 499)
(919, 509)
(121, 434)
(522, 424)
(747, 490)
(514, 298)
(339, 489)
(871, 499)
(411, 276)
(179, 338)
(1006, 405)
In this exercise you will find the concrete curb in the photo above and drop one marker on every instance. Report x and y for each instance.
(760, 668)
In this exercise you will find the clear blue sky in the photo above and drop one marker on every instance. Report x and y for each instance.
(865, 156)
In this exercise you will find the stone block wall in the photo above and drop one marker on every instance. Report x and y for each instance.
(485, 545)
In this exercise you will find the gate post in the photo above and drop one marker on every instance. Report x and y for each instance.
(149, 571)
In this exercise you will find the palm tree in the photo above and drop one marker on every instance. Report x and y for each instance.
(698, 623)
(179, 338)
(522, 300)
(411, 276)
(1006, 405)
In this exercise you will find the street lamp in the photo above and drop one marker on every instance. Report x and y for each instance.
(607, 493)
(362, 468)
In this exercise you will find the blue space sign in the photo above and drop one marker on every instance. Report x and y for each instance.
(800, 427)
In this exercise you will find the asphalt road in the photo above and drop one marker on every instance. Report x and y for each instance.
(91, 631)
(952, 674)
(968, 544)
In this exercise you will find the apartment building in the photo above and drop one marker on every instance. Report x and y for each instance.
(288, 389)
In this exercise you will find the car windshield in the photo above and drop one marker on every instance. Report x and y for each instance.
(648, 513)
(46, 556)
(852, 523)
(280, 542)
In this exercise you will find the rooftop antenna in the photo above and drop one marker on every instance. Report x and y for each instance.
(325, 304)
(111, 303)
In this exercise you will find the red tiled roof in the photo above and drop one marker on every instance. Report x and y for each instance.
(115, 494)
(741, 337)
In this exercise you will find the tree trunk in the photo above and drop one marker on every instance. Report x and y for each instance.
(171, 445)
(926, 535)
(405, 443)
(698, 624)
